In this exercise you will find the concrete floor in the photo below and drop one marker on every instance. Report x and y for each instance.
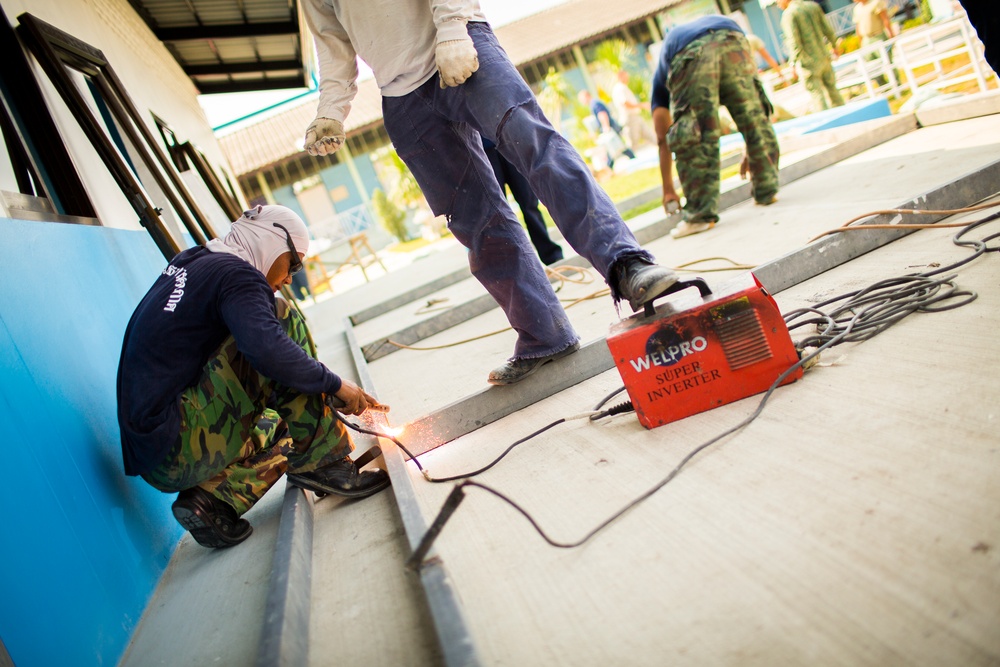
(854, 523)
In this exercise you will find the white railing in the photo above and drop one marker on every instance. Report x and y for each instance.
(917, 59)
(933, 44)
(344, 224)
(842, 19)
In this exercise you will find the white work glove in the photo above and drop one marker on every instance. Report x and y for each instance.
(324, 137)
(456, 61)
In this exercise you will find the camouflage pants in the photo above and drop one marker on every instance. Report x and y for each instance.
(232, 444)
(821, 83)
(712, 70)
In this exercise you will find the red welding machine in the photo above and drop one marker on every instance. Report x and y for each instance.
(699, 350)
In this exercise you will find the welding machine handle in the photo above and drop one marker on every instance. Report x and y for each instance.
(649, 310)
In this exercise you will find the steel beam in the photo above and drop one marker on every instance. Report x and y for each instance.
(452, 629)
(496, 402)
(445, 320)
(285, 636)
(830, 251)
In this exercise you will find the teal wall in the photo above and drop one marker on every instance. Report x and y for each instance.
(286, 197)
(339, 175)
(85, 545)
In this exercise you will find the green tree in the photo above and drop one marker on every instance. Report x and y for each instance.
(555, 95)
(391, 216)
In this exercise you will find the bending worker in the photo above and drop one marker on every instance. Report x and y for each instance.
(445, 81)
(217, 396)
(704, 63)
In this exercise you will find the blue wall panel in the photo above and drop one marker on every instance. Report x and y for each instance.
(369, 177)
(337, 176)
(286, 197)
(85, 546)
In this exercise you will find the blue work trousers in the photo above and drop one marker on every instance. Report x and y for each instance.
(436, 132)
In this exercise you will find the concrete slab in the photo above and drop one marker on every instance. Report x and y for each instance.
(851, 524)
(963, 108)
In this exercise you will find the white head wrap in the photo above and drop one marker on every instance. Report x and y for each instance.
(255, 239)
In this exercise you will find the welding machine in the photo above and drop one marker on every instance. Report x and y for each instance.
(698, 350)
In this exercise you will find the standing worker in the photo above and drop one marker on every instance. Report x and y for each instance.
(217, 395)
(630, 111)
(606, 125)
(445, 81)
(807, 33)
(757, 47)
(871, 21)
(705, 63)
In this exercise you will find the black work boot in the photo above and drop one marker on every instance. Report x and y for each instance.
(641, 281)
(341, 479)
(516, 370)
(211, 522)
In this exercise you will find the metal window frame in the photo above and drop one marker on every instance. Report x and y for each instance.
(59, 52)
(184, 155)
(42, 164)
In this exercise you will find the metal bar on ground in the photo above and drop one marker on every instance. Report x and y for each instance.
(445, 320)
(412, 295)
(830, 251)
(496, 402)
(285, 636)
(452, 629)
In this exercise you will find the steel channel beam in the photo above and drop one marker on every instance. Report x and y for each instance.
(452, 629)
(410, 296)
(496, 402)
(836, 249)
(285, 636)
(445, 320)
(476, 307)
(484, 407)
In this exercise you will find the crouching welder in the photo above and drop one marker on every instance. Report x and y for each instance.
(217, 394)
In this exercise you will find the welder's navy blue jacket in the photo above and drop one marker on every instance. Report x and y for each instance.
(195, 304)
(676, 40)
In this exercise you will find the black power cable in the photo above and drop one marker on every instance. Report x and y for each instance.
(861, 315)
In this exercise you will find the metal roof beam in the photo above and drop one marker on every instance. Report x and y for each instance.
(241, 68)
(227, 31)
(250, 85)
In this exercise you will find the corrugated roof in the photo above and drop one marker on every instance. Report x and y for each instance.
(278, 135)
(229, 46)
(562, 26)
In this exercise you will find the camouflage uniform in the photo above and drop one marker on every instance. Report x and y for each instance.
(806, 27)
(235, 447)
(718, 68)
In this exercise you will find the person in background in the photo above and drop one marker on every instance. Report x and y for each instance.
(446, 83)
(510, 178)
(630, 111)
(704, 63)
(606, 123)
(809, 39)
(757, 47)
(871, 21)
(218, 396)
